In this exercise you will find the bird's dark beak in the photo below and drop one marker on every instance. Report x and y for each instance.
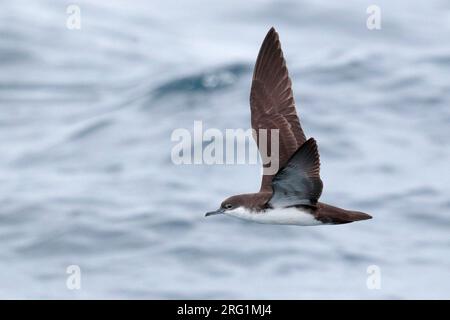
(218, 211)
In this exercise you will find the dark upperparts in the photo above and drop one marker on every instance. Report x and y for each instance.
(297, 183)
(272, 103)
(327, 214)
(273, 107)
(254, 201)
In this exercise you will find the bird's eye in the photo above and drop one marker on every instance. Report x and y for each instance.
(228, 206)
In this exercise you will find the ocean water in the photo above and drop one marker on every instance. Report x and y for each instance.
(86, 177)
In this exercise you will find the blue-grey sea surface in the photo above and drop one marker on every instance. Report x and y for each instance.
(86, 176)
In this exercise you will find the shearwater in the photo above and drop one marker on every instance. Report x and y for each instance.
(290, 196)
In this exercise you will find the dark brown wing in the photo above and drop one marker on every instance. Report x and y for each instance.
(299, 183)
(272, 105)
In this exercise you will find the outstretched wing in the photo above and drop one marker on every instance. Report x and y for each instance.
(299, 181)
(273, 107)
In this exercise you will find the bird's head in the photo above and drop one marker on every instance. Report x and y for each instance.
(229, 205)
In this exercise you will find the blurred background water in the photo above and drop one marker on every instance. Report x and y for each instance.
(86, 176)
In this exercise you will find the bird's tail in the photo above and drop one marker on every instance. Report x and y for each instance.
(334, 215)
(357, 215)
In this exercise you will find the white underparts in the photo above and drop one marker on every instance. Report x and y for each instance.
(290, 216)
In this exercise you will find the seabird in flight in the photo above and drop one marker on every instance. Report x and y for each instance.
(290, 196)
